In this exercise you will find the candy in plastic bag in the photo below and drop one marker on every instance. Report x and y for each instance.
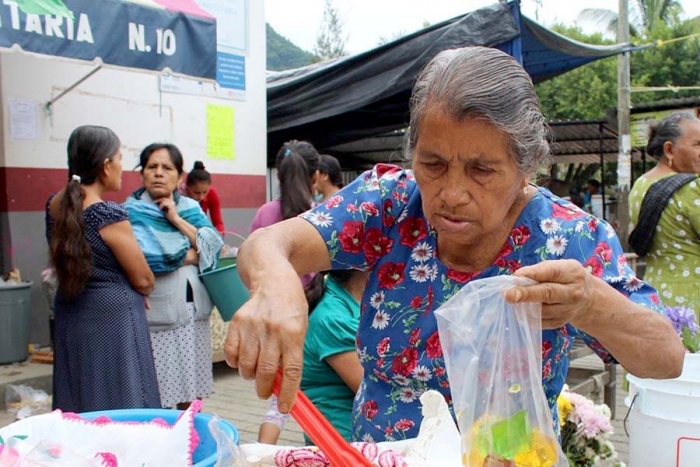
(494, 362)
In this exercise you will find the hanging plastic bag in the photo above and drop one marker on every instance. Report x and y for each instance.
(494, 362)
(228, 454)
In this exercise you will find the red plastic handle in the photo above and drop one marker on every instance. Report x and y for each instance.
(322, 433)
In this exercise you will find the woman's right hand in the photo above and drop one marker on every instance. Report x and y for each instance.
(268, 332)
(192, 257)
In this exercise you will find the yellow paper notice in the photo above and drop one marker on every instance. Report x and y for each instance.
(220, 132)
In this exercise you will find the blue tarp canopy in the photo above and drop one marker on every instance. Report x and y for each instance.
(120, 33)
(352, 98)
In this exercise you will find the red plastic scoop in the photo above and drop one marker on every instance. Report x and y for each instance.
(322, 433)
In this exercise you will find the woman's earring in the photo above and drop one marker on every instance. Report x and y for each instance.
(670, 163)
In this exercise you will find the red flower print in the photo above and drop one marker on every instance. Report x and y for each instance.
(433, 349)
(546, 348)
(412, 230)
(388, 219)
(416, 302)
(405, 362)
(460, 277)
(388, 431)
(385, 169)
(439, 371)
(401, 184)
(369, 208)
(505, 251)
(520, 235)
(448, 398)
(567, 212)
(381, 376)
(383, 346)
(444, 384)
(431, 296)
(380, 363)
(604, 251)
(547, 370)
(391, 274)
(370, 409)
(592, 224)
(333, 202)
(415, 335)
(655, 299)
(512, 265)
(351, 208)
(352, 236)
(594, 266)
(375, 245)
(404, 425)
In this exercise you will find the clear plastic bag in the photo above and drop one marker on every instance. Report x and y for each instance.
(494, 361)
(228, 454)
(23, 401)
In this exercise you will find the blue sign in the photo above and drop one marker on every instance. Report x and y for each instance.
(120, 33)
(230, 71)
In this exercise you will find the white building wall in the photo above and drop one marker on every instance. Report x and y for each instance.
(131, 104)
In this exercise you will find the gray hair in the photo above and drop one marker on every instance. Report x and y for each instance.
(485, 83)
(668, 129)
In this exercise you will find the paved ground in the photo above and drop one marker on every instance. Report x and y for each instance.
(234, 399)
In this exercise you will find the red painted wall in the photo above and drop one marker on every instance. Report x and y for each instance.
(27, 189)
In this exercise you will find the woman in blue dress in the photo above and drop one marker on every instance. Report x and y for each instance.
(466, 211)
(102, 347)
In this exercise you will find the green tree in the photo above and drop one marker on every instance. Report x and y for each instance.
(282, 54)
(585, 92)
(330, 41)
(588, 92)
(673, 63)
(644, 16)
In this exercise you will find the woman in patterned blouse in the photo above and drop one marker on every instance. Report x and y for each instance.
(466, 211)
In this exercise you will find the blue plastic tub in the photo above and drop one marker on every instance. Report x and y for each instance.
(205, 453)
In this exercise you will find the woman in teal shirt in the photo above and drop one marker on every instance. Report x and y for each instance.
(332, 370)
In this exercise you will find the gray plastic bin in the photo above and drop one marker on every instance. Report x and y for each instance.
(15, 312)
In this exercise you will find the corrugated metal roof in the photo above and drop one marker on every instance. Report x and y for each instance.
(581, 142)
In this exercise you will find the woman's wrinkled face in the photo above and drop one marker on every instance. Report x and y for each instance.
(160, 175)
(686, 152)
(467, 178)
(198, 190)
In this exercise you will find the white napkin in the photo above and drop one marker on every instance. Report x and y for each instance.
(56, 436)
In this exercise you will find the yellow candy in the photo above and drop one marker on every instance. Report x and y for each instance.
(514, 388)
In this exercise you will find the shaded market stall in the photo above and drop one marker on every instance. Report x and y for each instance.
(346, 100)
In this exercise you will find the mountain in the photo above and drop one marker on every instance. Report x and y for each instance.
(282, 54)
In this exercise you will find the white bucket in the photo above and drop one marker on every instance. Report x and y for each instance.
(664, 419)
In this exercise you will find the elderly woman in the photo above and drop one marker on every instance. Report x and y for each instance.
(673, 262)
(179, 242)
(465, 212)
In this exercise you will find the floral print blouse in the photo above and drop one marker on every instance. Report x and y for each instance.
(377, 223)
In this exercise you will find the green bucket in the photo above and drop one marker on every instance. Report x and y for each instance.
(225, 288)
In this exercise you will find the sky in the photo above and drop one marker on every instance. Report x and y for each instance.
(366, 21)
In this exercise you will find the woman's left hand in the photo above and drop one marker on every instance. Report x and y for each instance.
(565, 289)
